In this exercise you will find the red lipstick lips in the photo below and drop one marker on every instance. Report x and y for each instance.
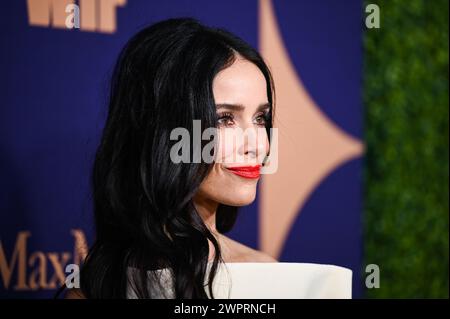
(246, 171)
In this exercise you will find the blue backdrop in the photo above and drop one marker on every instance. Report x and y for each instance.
(53, 104)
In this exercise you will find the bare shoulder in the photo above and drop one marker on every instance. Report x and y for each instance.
(241, 253)
(260, 257)
(74, 294)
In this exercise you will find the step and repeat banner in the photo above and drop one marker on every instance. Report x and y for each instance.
(56, 60)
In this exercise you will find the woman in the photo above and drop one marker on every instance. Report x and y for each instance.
(160, 216)
(150, 212)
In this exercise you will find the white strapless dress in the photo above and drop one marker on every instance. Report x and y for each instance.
(274, 280)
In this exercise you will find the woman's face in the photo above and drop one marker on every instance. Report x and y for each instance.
(240, 94)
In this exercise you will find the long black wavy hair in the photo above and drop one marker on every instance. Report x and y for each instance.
(143, 202)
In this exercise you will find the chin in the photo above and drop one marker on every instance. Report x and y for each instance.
(242, 199)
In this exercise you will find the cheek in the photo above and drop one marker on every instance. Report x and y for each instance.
(227, 189)
(266, 144)
(263, 144)
(226, 146)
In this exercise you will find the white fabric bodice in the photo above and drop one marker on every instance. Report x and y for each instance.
(273, 280)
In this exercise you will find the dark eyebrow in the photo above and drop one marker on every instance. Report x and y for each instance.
(240, 107)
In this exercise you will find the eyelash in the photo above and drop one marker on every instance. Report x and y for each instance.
(230, 116)
(222, 116)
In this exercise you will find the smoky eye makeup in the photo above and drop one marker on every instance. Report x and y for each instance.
(226, 116)
(225, 119)
(262, 118)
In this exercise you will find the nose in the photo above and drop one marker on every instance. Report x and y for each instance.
(254, 144)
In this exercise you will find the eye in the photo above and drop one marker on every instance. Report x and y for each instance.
(225, 119)
(262, 119)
